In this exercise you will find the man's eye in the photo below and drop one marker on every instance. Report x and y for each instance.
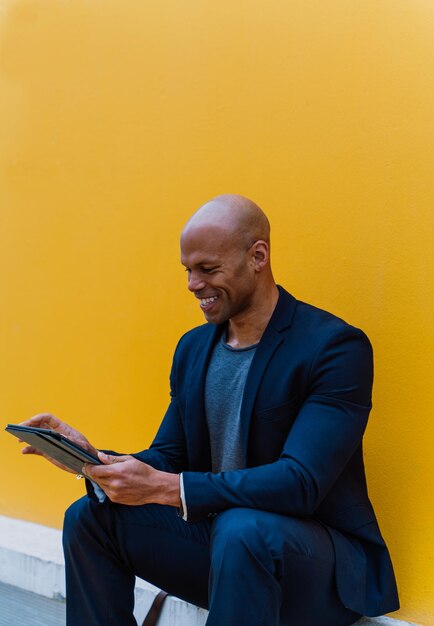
(204, 270)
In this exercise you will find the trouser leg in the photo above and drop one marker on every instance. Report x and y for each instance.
(266, 569)
(271, 570)
(106, 545)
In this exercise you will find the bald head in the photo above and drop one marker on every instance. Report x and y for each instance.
(226, 252)
(235, 217)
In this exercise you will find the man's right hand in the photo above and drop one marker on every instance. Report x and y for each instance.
(46, 420)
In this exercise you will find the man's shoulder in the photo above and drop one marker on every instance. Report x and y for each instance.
(314, 321)
(311, 315)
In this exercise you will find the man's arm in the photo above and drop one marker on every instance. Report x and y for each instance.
(323, 438)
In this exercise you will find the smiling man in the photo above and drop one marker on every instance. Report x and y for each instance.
(252, 499)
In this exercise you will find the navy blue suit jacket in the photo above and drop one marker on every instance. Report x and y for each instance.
(305, 407)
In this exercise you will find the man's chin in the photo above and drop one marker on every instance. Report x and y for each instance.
(211, 319)
(214, 318)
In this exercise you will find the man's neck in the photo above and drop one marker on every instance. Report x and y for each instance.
(249, 330)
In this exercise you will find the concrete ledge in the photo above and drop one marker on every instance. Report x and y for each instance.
(31, 559)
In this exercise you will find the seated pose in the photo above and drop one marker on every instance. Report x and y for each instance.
(252, 499)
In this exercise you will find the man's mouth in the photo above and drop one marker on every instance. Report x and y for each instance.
(206, 302)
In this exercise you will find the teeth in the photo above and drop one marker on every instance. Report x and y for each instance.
(205, 301)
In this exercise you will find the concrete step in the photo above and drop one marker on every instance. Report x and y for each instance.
(32, 583)
(24, 608)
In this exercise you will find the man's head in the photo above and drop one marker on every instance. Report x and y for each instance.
(225, 248)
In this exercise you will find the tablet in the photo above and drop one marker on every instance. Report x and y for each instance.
(54, 444)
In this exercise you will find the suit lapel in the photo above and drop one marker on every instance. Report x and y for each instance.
(271, 339)
(196, 425)
(263, 354)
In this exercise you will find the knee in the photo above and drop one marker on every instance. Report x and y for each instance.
(76, 519)
(238, 531)
(236, 522)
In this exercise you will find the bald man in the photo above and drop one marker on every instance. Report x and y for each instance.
(252, 499)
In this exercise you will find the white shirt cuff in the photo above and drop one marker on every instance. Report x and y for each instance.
(182, 495)
(100, 494)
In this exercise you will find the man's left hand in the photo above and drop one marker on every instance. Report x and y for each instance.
(126, 480)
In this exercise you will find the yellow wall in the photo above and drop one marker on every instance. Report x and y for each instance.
(118, 119)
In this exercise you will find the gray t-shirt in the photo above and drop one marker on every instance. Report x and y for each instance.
(224, 388)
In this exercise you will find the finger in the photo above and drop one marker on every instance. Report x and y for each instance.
(42, 419)
(31, 450)
(94, 472)
(104, 471)
(108, 459)
(85, 470)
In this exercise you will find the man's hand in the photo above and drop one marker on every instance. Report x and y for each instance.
(46, 420)
(126, 480)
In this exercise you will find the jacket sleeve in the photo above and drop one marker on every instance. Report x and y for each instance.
(327, 430)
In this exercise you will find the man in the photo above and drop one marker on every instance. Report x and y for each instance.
(252, 499)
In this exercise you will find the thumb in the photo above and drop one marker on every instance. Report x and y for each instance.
(109, 459)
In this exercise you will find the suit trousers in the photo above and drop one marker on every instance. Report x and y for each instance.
(248, 567)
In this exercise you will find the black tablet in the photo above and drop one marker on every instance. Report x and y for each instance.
(54, 444)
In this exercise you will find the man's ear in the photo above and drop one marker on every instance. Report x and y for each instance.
(260, 254)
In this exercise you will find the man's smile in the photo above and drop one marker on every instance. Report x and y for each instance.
(206, 303)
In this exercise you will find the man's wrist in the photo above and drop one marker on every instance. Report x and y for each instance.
(169, 489)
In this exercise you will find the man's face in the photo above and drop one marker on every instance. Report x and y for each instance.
(220, 273)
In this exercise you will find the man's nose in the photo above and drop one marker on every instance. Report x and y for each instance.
(195, 282)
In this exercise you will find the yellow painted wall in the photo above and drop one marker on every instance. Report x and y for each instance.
(118, 119)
